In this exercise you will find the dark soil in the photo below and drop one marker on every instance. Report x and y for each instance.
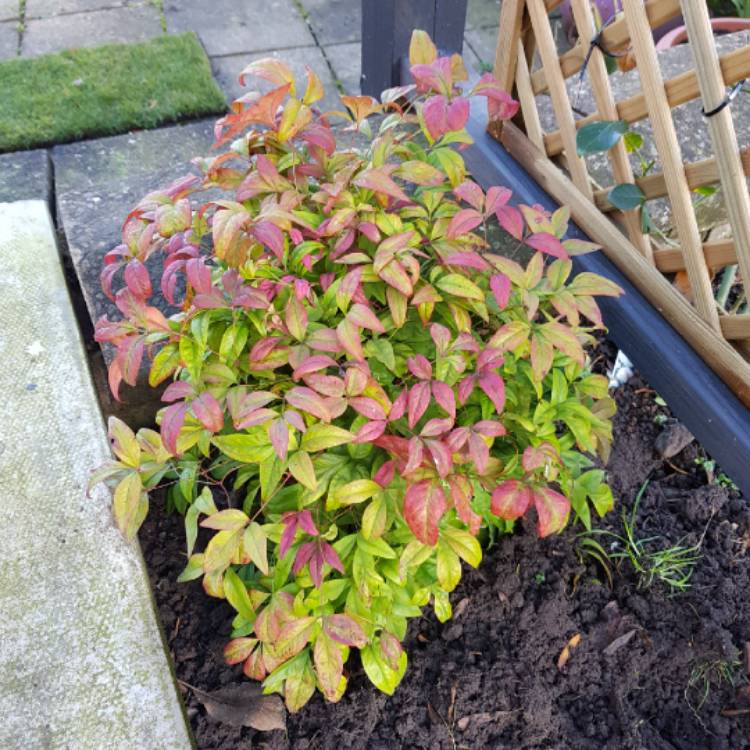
(489, 677)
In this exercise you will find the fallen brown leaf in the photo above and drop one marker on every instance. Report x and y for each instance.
(562, 660)
(243, 705)
(618, 643)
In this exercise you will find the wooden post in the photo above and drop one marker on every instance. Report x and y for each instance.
(721, 129)
(386, 32)
(668, 148)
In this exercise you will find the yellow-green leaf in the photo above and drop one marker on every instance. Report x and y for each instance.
(302, 469)
(249, 448)
(220, 550)
(130, 504)
(321, 436)
(164, 364)
(374, 518)
(448, 567)
(255, 543)
(355, 492)
(236, 594)
(463, 544)
(459, 286)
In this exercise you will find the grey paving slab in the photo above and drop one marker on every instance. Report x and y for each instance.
(56, 33)
(346, 61)
(8, 39)
(335, 21)
(25, 175)
(228, 27)
(45, 8)
(482, 13)
(9, 10)
(82, 661)
(482, 44)
(227, 69)
(97, 183)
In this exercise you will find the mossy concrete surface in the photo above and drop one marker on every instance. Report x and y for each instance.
(82, 661)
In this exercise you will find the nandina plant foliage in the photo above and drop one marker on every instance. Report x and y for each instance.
(358, 388)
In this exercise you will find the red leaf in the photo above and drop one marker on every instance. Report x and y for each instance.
(415, 456)
(199, 275)
(547, 243)
(494, 386)
(208, 412)
(419, 400)
(479, 452)
(137, 279)
(463, 223)
(171, 424)
(271, 236)
(345, 630)
(552, 511)
(510, 500)
(461, 494)
(441, 456)
(424, 506)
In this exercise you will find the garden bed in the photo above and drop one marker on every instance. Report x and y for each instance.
(489, 678)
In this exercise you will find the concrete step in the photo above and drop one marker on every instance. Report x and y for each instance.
(82, 660)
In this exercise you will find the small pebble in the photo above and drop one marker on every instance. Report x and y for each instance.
(672, 439)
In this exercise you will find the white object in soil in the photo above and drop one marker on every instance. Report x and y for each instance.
(621, 372)
(82, 661)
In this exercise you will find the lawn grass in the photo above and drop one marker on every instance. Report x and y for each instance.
(104, 90)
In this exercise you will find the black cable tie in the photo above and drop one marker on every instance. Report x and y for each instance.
(596, 41)
(728, 99)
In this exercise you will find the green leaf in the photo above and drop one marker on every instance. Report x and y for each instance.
(271, 472)
(236, 594)
(463, 544)
(632, 140)
(448, 567)
(355, 492)
(375, 518)
(302, 469)
(255, 543)
(626, 196)
(599, 136)
(220, 550)
(204, 503)
(321, 436)
(164, 364)
(459, 286)
(376, 547)
(382, 350)
(193, 569)
(130, 504)
(329, 663)
(248, 448)
(381, 675)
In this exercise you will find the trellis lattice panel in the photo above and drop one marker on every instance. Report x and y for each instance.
(697, 278)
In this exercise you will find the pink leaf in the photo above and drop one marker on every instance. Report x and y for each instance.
(137, 279)
(457, 438)
(510, 500)
(547, 243)
(488, 428)
(306, 523)
(370, 431)
(441, 457)
(368, 407)
(419, 400)
(443, 394)
(199, 275)
(398, 407)
(171, 424)
(441, 336)
(500, 286)
(420, 367)
(479, 452)
(497, 197)
(424, 506)
(385, 474)
(465, 388)
(364, 317)
(313, 364)
(308, 401)
(208, 412)
(470, 192)
(180, 389)
(436, 427)
(494, 386)
(463, 222)
(278, 432)
(511, 221)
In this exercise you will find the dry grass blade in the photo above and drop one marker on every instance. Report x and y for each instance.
(242, 705)
(562, 660)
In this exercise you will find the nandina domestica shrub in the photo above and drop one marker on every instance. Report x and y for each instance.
(359, 387)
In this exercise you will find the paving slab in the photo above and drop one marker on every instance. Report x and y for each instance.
(57, 33)
(25, 175)
(228, 27)
(97, 183)
(45, 8)
(9, 10)
(346, 61)
(82, 660)
(8, 39)
(227, 69)
(334, 21)
(482, 43)
(482, 13)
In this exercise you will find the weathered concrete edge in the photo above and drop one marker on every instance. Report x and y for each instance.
(95, 520)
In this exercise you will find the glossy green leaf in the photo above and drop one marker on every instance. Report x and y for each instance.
(599, 136)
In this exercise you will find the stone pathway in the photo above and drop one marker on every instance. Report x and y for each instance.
(82, 661)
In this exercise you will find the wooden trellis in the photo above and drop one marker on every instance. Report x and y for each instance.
(528, 63)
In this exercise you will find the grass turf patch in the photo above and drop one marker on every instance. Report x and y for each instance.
(104, 90)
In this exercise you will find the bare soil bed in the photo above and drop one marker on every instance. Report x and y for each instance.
(489, 678)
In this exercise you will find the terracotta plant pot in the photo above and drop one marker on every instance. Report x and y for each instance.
(724, 25)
